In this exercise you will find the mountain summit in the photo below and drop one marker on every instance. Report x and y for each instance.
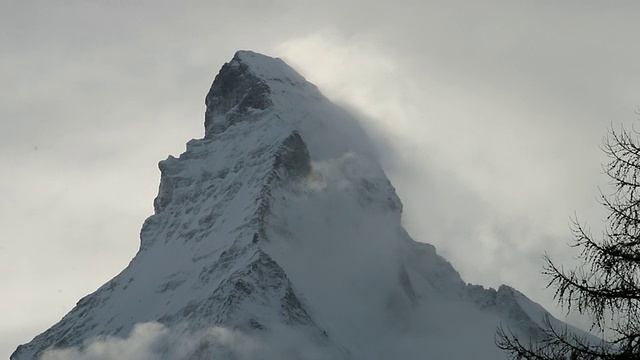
(278, 235)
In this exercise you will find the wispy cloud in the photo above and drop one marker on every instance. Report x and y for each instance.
(153, 341)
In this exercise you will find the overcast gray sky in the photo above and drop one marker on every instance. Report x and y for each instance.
(489, 116)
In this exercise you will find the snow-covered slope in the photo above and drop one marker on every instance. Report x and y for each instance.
(280, 228)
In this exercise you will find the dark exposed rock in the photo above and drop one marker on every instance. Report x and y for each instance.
(292, 159)
(234, 92)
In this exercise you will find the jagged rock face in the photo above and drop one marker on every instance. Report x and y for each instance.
(236, 92)
(281, 217)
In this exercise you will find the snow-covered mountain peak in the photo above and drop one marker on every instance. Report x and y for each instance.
(270, 69)
(253, 86)
(281, 224)
(249, 84)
